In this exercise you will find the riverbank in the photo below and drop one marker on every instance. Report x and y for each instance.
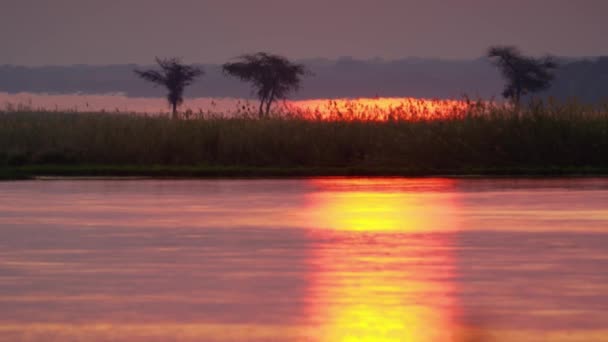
(476, 140)
(188, 172)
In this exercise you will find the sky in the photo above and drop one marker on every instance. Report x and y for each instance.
(64, 32)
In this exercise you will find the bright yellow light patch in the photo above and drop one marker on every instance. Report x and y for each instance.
(369, 283)
(369, 212)
(376, 206)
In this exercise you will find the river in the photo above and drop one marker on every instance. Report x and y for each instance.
(327, 259)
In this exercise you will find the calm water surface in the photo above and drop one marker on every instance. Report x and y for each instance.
(304, 260)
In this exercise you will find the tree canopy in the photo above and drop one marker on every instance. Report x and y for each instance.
(173, 75)
(273, 77)
(524, 75)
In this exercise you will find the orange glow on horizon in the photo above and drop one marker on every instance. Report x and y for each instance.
(380, 109)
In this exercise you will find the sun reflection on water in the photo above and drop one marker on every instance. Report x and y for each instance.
(377, 275)
(420, 260)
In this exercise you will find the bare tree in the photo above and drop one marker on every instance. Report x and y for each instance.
(523, 74)
(272, 76)
(173, 75)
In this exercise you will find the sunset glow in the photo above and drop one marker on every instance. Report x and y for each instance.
(381, 108)
(366, 275)
(303, 171)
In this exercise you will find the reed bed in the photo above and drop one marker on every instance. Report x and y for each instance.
(452, 137)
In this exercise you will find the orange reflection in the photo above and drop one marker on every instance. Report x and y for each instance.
(377, 273)
(383, 205)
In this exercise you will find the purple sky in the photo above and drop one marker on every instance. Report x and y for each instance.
(35, 32)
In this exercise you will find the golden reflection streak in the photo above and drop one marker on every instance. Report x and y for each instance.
(381, 212)
(369, 285)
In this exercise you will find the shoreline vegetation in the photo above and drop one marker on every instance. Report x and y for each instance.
(465, 139)
(520, 137)
(94, 172)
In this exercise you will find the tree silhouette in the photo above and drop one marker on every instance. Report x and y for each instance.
(272, 76)
(173, 75)
(523, 74)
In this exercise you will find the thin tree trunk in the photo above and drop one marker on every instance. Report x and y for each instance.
(517, 99)
(174, 114)
(263, 101)
(269, 103)
(261, 111)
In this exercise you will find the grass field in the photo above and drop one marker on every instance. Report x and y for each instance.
(476, 138)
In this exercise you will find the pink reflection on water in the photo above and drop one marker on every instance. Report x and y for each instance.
(304, 260)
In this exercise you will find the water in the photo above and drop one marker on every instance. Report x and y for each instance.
(304, 260)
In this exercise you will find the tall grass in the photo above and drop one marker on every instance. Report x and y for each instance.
(469, 136)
